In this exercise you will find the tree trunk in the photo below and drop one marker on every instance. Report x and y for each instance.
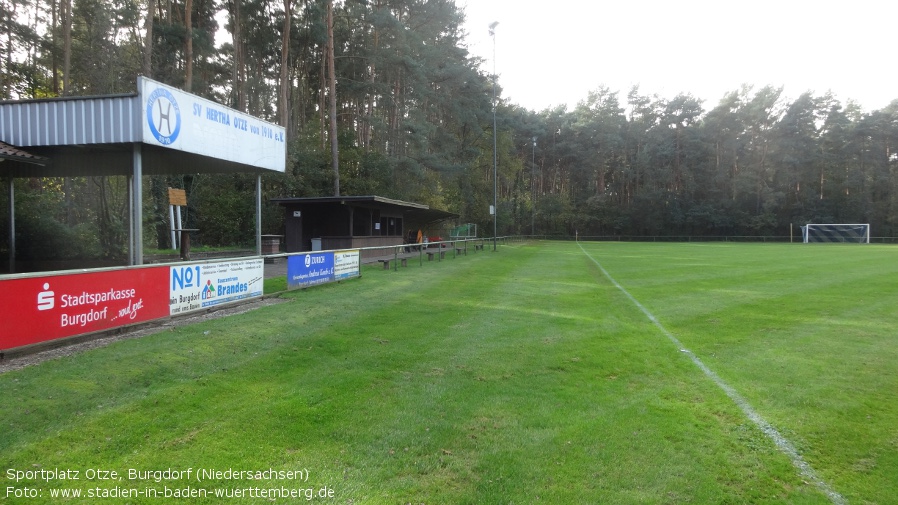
(283, 106)
(148, 41)
(54, 63)
(331, 71)
(67, 45)
(5, 78)
(322, 95)
(239, 72)
(188, 54)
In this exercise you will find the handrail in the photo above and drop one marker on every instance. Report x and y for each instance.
(395, 250)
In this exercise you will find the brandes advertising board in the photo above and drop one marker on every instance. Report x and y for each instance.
(201, 285)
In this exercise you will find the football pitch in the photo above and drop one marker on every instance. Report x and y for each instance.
(547, 372)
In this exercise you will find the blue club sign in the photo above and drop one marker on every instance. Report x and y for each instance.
(163, 116)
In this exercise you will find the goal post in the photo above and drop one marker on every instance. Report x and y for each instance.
(829, 233)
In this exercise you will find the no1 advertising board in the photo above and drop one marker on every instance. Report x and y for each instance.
(203, 285)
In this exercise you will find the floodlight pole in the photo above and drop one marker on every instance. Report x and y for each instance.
(495, 151)
(532, 192)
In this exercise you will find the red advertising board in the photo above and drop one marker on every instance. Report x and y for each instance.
(37, 309)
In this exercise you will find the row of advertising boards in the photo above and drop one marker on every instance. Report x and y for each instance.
(54, 306)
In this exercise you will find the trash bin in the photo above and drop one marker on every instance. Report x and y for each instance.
(316, 244)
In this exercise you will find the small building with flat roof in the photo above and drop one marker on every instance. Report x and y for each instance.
(352, 222)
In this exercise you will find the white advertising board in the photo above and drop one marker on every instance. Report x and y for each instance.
(346, 264)
(202, 285)
(177, 120)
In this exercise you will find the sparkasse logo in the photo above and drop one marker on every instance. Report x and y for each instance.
(46, 299)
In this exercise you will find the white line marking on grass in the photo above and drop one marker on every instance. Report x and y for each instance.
(781, 442)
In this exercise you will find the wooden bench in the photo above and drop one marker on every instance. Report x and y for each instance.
(478, 247)
(431, 254)
(403, 260)
(461, 250)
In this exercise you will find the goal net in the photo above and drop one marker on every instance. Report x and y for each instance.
(852, 233)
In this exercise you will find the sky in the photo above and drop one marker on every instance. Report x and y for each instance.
(555, 52)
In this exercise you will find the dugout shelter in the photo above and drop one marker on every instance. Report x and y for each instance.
(354, 222)
(157, 130)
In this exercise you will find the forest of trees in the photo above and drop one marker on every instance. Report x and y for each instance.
(413, 117)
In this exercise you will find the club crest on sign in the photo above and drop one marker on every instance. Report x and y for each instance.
(163, 116)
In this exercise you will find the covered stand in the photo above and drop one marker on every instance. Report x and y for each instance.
(158, 130)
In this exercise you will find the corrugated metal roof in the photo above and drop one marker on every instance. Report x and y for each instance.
(108, 119)
(369, 199)
(101, 135)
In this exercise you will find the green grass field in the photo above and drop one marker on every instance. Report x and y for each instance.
(523, 376)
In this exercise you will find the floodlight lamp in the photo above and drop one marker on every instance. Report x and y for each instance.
(493, 27)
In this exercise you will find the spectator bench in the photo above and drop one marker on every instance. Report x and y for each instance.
(403, 259)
